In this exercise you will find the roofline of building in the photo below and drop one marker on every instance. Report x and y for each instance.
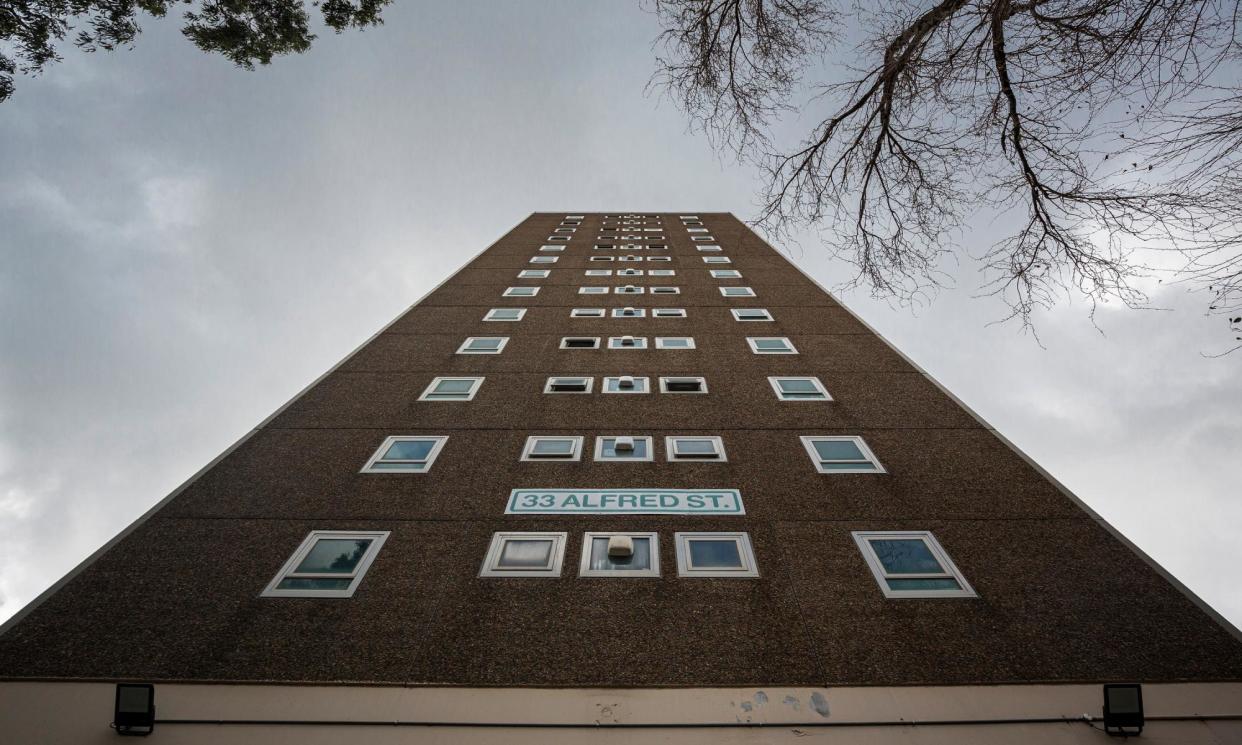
(1166, 574)
(142, 519)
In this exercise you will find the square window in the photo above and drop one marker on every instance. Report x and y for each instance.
(841, 454)
(514, 554)
(770, 345)
(521, 292)
(627, 342)
(593, 290)
(715, 555)
(569, 385)
(799, 389)
(544, 259)
(328, 564)
(580, 342)
(405, 455)
(687, 447)
(668, 312)
(620, 555)
(701, 238)
(630, 258)
(696, 230)
(505, 314)
(623, 447)
(725, 274)
(586, 313)
(628, 272)
(542, 447)
(451, 389)
(558, 238)
(683, 384)
(659, 258)
(717, 260)
(674, 342)
(534, 273)
(483, 345)
(551, 249)
(598, 272)
(657, 247)
(565, 230)
(737, 292)
(604, 246)
(751, 314)
(709, 248)
(601, 258)
(629, 312)
(630, 290)
(626, 384)
(665, 290)
(911, 564)
(661, 272)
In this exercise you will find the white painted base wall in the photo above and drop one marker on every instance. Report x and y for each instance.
(37, 713)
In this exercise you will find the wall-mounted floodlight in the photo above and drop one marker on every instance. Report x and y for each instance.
(134, 713)
(1123, 709)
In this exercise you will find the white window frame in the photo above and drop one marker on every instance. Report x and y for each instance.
(661, 342)
(670, 449)
(597, 273)
(593, 290)
(696, 230)
(599, 449)
(558, 237)
(688, 217)
(668, 312)
(575, 217)
(523, 291)
(660, 258)
(590, 385)
(753, 341)
(642, 384)
(737, 291)
(737, 315)
(586, 313)
(533, 440)
(621, 312)
(863, 540)
(629, 258)
(666, 290)
(709, 248)
(564, 230)
(717, 260)
(491, 567)
(377, 456)
(661, 272)
(428, 392)
(565, 341)
(629, 290)
(665, 380)
(702, 238)
(808, 442)
(534, 274)
(504, 342)
(551, 249)
(774, 380)
(615, 342)
(629, 272)
(725, 273)
(521, 313)
(602, 258)
(584, 565)
(544, 259)
(746, 553)
(288, 570)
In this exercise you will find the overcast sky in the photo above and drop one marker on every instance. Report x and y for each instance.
(184, 246)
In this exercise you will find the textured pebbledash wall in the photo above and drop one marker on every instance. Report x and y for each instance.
(1060, 600)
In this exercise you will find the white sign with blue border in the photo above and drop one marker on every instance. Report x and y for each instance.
(625, 502)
